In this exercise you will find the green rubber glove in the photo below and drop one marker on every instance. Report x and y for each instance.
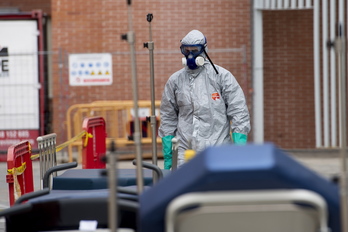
(239, 139)
(167, 151)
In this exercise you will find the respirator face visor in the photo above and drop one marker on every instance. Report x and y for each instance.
(195, 50)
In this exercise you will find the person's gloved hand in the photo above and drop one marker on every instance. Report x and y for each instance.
(239, 139)
(167, 151)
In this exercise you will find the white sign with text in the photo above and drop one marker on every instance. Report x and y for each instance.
(90, 69)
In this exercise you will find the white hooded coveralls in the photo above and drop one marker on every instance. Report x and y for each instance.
(201, 108)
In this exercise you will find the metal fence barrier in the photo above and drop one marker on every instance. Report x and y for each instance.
(118, 117)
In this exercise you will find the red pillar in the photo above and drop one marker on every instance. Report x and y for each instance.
(96, 146)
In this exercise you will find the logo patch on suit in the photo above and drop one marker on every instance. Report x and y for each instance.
(215, 96)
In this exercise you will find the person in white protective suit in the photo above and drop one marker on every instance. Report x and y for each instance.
(202, 104)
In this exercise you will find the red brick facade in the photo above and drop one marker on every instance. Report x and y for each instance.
(27, 5)
(288, 78)
(95, 26)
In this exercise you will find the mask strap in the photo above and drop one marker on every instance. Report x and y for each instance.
(210, 61)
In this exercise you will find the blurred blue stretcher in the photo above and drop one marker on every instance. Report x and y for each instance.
(86, 179)
(216, 171)
(229, 168)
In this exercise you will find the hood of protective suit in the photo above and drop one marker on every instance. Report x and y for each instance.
(195, 37)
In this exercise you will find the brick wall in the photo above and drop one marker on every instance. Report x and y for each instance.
(28, 5)
(95, 26)
(288, 78)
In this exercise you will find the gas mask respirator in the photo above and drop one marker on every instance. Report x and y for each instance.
(193, 58)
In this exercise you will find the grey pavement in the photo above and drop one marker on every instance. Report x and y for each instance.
(325, 162)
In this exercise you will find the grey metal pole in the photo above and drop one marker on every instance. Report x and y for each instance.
(175, 146)
(341, 51)
(131, 40)
(153, 122)
(112, 183)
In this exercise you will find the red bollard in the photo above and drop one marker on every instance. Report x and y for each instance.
(96, 146)
(18, 157)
